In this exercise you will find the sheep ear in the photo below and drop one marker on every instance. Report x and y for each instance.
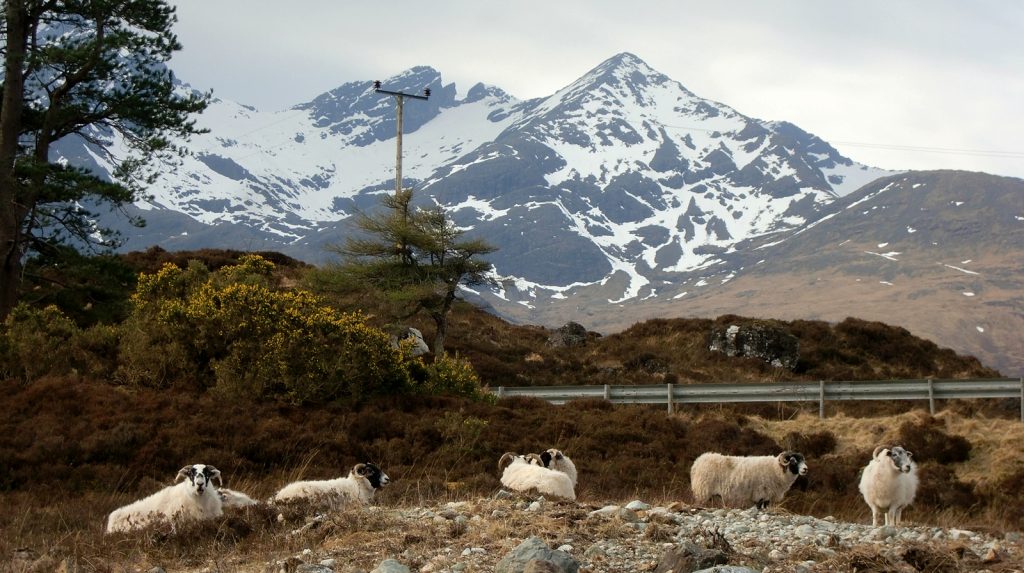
(215, 474)
(182, 473)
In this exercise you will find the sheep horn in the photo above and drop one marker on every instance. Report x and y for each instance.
(505, 460)
(877, 451)
(215, 474)
(182, 473)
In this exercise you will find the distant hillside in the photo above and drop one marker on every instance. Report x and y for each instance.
(939, 253)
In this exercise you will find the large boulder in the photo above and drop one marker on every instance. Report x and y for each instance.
(570, 335)
(758, 339)
(419, 346)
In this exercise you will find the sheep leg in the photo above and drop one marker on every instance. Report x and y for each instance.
(890, 516)
(898, 517)
(874, 516)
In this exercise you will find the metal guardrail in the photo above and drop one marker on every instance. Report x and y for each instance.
(821, 392)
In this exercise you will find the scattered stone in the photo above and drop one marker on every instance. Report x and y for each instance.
(390, 566)
(314, 568)
(637, 505)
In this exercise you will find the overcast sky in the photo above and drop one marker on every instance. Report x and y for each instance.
(899, 84)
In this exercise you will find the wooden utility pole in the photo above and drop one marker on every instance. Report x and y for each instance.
(400, 101)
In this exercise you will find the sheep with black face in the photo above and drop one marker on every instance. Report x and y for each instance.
(889, 483)
(193, 497)
(742, 481)
(357, 488)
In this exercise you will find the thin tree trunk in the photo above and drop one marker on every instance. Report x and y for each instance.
(11, 209)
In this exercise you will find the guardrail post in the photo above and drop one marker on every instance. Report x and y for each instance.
(670, 405)
(501, 392)
(821, 399)
(608, 392)
(931, 397)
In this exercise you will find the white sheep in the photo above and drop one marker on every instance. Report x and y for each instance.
(358, 488)
(232, 498)
(525, 473)
(744, 480)
(556, 460)
(889, 483)
(195, 498)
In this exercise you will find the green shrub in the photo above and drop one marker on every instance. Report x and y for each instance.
(454, 376)
(38, 341)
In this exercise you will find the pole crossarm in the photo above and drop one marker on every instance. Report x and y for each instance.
(402, 94)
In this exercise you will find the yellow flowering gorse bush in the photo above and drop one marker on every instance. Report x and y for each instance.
(243, 338)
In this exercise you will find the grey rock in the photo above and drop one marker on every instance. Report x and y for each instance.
(638, 505)
(728, 569)
(534, 549)
(390, 566)
(419, 346)
(314, 568)
(686, 557)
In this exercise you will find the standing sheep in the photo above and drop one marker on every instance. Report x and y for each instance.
(744, 480)
(889, 483)
(525, 473)
(192, 499)
(358, 488)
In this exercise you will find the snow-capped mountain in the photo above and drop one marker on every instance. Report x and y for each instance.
(622, 178)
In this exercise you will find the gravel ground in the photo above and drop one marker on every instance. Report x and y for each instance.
(474, 536)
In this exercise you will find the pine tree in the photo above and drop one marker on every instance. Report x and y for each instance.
(86, 69)
(418, 258)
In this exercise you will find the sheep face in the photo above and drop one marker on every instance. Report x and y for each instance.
(200, 477)
(793, 462)
(551, 455)
(900, 459)
(373, 474)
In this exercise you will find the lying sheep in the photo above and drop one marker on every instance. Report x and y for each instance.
(192, 499)
(358, 488)
(889, 483)
(745, 480)
(525, 473)
(554, 459)
(232, 498)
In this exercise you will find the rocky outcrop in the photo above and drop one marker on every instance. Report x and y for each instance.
(761, 340)
(571, 335)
